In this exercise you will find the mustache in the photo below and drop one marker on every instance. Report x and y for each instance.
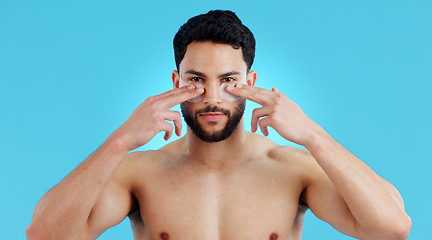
(213, 109)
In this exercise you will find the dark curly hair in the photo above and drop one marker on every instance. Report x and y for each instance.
(217, 26)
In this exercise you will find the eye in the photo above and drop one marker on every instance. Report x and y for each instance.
(195, 79)
(228, 79)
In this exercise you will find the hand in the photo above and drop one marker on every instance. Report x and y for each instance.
(278, 112)
(150, 117)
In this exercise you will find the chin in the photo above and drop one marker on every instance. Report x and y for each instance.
(213, 131)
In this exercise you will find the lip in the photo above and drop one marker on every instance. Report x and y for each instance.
(212, 116)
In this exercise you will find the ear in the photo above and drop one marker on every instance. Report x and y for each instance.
(175, 78)
(251, 78)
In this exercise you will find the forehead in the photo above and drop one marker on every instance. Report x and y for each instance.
(209, 58)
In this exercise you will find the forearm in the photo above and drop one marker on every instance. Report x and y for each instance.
(66, 207)
(373, 201)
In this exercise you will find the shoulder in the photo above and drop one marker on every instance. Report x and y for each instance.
(138, 162)
(135, 165)
(143, 156)
(287, 154)
(298, 158)
(292, 158)
(161, 155)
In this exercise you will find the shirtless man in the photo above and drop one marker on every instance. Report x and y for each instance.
(219, 181)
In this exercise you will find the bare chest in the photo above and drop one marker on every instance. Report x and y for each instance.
(247, 204)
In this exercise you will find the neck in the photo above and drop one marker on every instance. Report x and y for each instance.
(216, 153)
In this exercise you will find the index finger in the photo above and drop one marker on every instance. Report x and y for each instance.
(179, 95)
(172, 91)
(256, 94)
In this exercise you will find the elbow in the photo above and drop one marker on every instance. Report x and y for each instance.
(40, 230)
(398, 229)
(35, 232)
(402, 228)
(32, 233)
(392, 229)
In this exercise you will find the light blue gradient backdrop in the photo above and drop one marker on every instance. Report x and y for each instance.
(72, 72)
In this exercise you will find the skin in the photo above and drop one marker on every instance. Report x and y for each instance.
(245, 187)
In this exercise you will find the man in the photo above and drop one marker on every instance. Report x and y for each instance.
(219, 181)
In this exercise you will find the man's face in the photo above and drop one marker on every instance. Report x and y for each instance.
(213, 119)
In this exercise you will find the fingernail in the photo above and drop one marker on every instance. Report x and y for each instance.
(239, 85)
(199, 89)
(191, 86)
(230, 87)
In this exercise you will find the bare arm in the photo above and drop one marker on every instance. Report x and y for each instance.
(90, 199)
(367, 206)
(342, 190)
(63, 211)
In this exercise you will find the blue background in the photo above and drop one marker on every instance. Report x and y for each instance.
(71, 72)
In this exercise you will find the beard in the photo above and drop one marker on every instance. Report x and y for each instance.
(231, 125)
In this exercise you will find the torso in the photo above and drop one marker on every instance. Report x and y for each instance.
(177, 199)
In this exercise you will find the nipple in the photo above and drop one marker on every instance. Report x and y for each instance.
(274, 236)
(164, 236)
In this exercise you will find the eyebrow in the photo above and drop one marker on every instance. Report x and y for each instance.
(229, 74)
(193, 72)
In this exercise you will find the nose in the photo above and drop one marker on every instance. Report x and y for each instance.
(212, 93)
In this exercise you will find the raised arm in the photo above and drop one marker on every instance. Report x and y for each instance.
(350, 196)
(95, 195)
(342, 189)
